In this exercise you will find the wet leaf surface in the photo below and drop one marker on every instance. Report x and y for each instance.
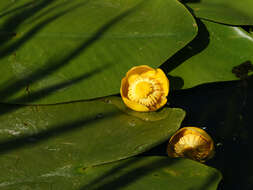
(39, 139)
(134, 173)
(56, 51)
(211, 56)
(223, 11)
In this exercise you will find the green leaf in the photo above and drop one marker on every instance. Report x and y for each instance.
(43, 138)
(224, 11)
(55, 51)
(211, 56)
(136, 173)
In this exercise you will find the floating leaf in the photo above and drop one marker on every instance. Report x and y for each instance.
(224, 11)
(38, 139)
(55, 51)
(210, 57)
(135, 173)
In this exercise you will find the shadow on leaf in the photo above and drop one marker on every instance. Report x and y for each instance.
(127, 173)
(31, 140)
(53, 64)
(197, 45)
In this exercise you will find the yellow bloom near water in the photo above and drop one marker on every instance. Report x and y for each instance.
(144, 88)
(191, 142)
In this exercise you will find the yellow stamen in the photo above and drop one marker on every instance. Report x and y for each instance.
(145, 91)
(191, 142)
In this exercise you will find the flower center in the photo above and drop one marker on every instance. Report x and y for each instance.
(145, 91)
(192, 146)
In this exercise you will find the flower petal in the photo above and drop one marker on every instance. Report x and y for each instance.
(124, 87)
(138, 70)
(132, 78)
(160, 75)
(135, 106)
(162, 103)
(149, 74)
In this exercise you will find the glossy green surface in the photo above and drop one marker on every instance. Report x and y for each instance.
(135, 173)
(211, 56)
(55, 50)
(235, 12)
(39, 139)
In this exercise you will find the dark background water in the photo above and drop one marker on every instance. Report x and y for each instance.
(223, 109)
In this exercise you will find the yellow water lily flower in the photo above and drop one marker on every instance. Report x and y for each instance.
(144, 88)
(191, 142)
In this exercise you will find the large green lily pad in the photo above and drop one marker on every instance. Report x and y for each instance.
(235, 12)
(55, 50)
(135, 173)
(212, 56)
(38, 139)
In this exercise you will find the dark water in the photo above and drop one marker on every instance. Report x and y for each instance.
(224, 110)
